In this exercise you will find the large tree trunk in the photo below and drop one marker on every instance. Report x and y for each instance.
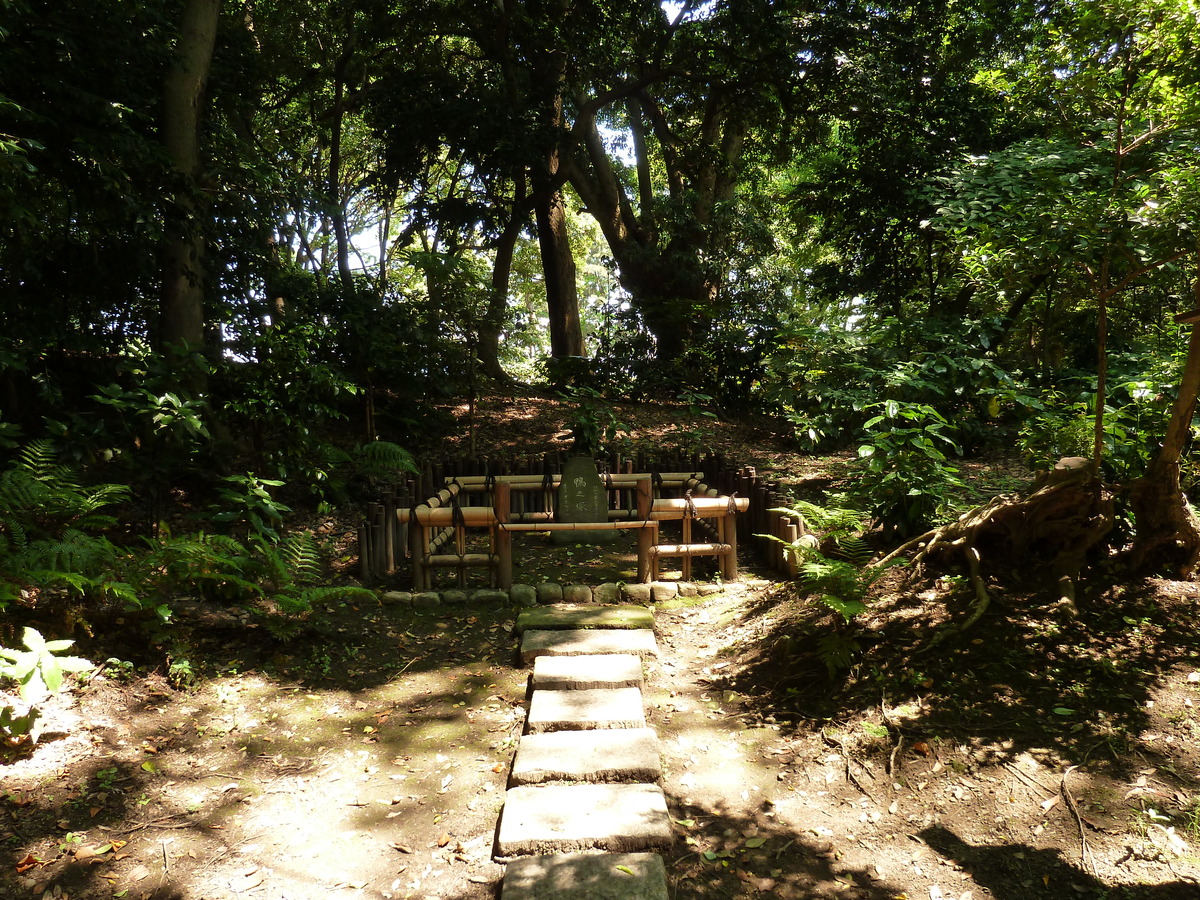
(558, 268)
(558, 265)
(1168, 533)
(182, 311)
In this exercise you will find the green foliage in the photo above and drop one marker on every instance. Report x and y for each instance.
(246, 500)
(842, 527)
(383, 461)
(40, 498)
(827, 380)
(694, 436)
(840, 581)
(37, 669)
(44, 511)
(903, 478)
(276, 579)
(16, 728)
(593, 425)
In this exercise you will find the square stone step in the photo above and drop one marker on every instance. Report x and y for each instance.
(579, 673)
(557, 616)
(586, 876)
(587, 642)
(623, 754)
(585, 710)
(555, 818)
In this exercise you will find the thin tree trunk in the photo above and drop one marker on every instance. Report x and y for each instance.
(182, 311)
(337, 206)
(1167, 531)
(493, 320)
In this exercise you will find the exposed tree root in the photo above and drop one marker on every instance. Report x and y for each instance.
(1050, 531)
(1168, 533)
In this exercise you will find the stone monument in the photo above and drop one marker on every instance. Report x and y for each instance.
(582, 498)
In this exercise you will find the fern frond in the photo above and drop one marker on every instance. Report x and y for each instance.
(38, 460)
(847, 609)
(837, 650)
(856, 550)
(74, 551)
(203, 561)
(303, 557)
(384, 461)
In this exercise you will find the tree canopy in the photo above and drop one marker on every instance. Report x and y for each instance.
(281, 216)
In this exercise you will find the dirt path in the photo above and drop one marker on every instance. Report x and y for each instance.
(373, 765)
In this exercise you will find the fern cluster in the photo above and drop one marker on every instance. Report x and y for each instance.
(47, 544)
(277, 581)
(41, 499)
(833, 567)
(46, 514)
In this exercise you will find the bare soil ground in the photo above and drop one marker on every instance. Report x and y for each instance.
(1037, 756)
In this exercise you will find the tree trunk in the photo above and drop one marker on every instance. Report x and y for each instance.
(1168, 533)
(493, 320)
(337, 206)
(558, 268)
(182, 311)
(558, 265)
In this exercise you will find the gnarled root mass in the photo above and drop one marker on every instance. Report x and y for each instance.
(1168, 533)
(1051, 530)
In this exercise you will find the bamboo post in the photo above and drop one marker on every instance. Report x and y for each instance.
(685, 564)
(389, 533)
(646, 536)
(364, 554)
(502, 499)
(729, 535)
(791, 534)
(417, 549)
(377, 552)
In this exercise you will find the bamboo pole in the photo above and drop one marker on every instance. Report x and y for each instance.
(687, 551)
(612, 525)
(647, 568)
(418, 549)
(389, 533)
(501, 539)
(364, 554)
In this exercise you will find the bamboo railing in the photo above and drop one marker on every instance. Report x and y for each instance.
(721, 507)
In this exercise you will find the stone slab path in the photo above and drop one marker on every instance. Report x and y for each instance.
(586, 772)
(546, 642)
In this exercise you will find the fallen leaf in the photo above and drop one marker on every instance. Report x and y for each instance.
(755, 842)
(443, 840)
(29, 862)
(625, 869)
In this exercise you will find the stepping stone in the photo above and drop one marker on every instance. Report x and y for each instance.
(638, 641)
(550, 818)
(567, 673)
(586, 876)
(585, 710)
(551, 617)
(622, 754)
